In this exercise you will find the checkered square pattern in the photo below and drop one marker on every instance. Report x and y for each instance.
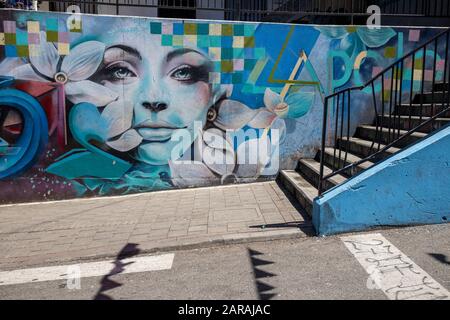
(24, 42)
(231, 47)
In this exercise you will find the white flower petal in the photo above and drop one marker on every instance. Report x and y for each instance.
(25, 72)
(88, 91)
(9, 64)
(47, 57)
(128, 141)
(252, 157)
(219, 161)
(218, 153)
(271, 99)
(118, 116)
(233, 115)
(280, 126)
(189, 174)
(216, 138)
(83, 60)
(263, 119)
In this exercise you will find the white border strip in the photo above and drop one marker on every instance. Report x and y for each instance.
(84, 270)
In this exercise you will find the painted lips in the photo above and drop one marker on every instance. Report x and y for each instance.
(160, 131)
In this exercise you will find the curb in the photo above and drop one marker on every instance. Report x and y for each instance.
(219, 241)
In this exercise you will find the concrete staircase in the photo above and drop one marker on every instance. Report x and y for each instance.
(304, 180)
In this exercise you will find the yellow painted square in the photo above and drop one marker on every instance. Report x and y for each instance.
(63, 48)
(190, 40)
(33, 26)
(238, 42)
(215, 53)
(177, 41)
(33, 50)
(2, 39)
(418, 75)
(215, 29)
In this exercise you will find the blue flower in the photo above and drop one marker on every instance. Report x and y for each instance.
(357, 39)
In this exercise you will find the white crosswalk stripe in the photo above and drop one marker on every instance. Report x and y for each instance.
(392, 271)
(84, 270)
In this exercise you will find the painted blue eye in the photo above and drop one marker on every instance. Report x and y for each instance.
(183, 74)
(120, 73)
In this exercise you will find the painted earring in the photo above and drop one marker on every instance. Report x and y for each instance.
(212, 115)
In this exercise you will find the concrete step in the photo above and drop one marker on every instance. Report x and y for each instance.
(342, 161)
(441, 86)
(403, 122)
(310, 169)
(385, 136)
(364, 148)
(298, 186)
(427, 97)
(425, 110)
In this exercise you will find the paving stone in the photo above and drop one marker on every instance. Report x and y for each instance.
(38, 233)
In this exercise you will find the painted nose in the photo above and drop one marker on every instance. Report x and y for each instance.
(155, 106)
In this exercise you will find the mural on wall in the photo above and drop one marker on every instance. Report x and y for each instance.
(117, 105)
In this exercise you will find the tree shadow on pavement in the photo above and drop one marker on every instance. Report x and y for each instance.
(128, 251)
(442, 258)
(263, 289)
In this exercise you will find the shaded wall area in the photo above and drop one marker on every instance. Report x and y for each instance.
(102, 105)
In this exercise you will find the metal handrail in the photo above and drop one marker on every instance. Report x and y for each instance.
(258, 9)
(397, 72)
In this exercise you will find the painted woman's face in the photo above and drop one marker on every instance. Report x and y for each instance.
(168, 88)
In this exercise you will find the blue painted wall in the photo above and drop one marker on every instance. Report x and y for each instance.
(409, 188)
(135, 104)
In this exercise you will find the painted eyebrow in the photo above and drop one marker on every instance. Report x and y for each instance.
(180, 52)
(127, 49)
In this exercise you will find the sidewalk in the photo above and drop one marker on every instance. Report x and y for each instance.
(42, 234)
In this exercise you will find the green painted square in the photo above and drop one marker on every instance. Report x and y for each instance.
(190, 29)
(51, 25)
(249, 42)
(203, 41)
(177, 41)
(166, 40)
(249, 30)
(227, 30)
(237, 78)
(390, 52)
(10, 38)
(238, 53)
(238, 30)
(227, 66)
(76, 27)
(203, 29)
(249, 64)
(260, 53)
(227, 53)
(156, 27)
(418, 64)
(22, 51)
(52, 36)
(215, 41)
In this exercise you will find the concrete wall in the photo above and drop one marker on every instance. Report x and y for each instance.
(128, 104)
(409, 188)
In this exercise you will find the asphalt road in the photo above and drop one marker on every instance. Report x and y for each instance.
(309, 268)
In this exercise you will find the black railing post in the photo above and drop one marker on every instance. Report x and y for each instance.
(322, 148)
(383, 121)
